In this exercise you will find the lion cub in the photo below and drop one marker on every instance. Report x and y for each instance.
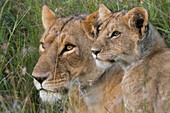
(129, 38)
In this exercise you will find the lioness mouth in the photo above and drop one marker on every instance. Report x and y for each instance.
(60, 90)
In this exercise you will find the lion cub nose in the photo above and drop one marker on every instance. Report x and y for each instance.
(95, 51)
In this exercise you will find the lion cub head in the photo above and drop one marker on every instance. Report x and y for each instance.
(120, 35)
(64, 54)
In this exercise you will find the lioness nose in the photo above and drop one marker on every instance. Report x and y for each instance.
(40, 79)
(95, 51)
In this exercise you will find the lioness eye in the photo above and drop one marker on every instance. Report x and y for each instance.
(115, 34)
(42, 44)
(41, 47)
(69, 47)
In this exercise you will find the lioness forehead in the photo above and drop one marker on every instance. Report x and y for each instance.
(59, 25)
(55, 29)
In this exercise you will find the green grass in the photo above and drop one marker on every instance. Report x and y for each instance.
(20, 30)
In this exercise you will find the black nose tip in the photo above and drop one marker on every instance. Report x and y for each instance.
(40, 79)
(95, 52)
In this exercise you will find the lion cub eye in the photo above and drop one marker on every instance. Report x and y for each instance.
(115, 34)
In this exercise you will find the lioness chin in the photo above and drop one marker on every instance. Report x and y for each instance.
(129, 39)
(66, 60)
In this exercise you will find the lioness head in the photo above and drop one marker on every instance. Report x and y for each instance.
(120, 35)
(64, 53)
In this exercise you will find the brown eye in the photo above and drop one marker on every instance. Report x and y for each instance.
(69, 47)
(41, 47)
(115, 34)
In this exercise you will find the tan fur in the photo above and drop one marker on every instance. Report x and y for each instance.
(96, 91)
(143, 55)
(104, 13)
(48, 17)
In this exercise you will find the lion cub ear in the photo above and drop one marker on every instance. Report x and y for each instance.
(137, 19)
(48, 17)
(91, 24)
(104, 13)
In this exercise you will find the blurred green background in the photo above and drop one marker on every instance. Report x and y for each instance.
(20, 31)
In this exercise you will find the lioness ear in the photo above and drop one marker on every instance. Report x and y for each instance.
(48, 17)
(91, 24)
(104, 13)
(137, 19)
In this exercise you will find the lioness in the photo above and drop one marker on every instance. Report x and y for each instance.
(128, 38)
(66, 57)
